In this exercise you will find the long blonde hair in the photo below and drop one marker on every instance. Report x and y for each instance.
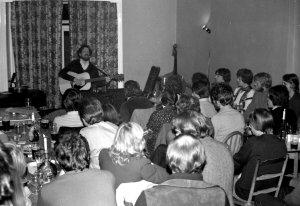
(128, 143)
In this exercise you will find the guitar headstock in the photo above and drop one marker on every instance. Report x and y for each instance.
(174, 50)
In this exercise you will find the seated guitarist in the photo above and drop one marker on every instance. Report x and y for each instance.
(82, 65)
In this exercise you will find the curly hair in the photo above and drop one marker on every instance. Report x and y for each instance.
(82, 47)
(264, 78)
(223, 93)
(90, 110)
(72, 152)
(71, 99)
(225, 73)
(128, 143)
(188, 103)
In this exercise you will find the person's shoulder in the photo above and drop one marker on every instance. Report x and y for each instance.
(100, 174)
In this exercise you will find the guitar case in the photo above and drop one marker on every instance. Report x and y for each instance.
(151, 81)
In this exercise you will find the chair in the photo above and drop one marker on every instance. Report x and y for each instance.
(234, 140)
(259, 163)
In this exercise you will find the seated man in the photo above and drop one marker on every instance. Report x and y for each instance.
(243, 94)
(186, 158)
(135, 100)
(79, 185)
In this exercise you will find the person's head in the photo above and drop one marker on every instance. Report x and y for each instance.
(72, 152)
(90, 111)
(186, 154)
(244, 77)
(278, 96)
(262, 81)
(132, 88)
(194, 123)
(71, 99)
(221, 94)
(128, 142)
(222, 75)
(200, 77)
(175, 84)
(110, 114)
(201, 89)
(84, 52)
(11, 192)
(261, 121)
(187, 103)
(19, 162)
(291, 81)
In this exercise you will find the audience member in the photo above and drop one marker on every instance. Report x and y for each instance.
(261, 84)
(186, 158)
(187, 103)
(278, 101)
(126, 160)
(71, 102)
(243, 93)
(98, 132)
(135, 100)
(263, 145)
(79, 185)
(200, 77)
(291, 81)
(223, 75)
(11, 192)
(201, 91)
(227, 120)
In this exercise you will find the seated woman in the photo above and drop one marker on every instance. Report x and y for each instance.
(278, 101)
(227, 120)
(186, 158)
(126, 160)
(79, 185)
(10, 184)
(263, 145)
(71, 101)
(100, 127)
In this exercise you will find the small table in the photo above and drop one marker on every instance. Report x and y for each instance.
(293, 153)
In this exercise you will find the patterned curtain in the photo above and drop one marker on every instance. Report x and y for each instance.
(36, 33)
(95, 23)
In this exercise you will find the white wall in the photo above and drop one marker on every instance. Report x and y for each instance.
(149, 31)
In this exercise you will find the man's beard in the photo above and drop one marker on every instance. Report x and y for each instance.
(85, 57)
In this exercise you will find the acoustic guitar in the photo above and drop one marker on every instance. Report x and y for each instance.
(65, 84)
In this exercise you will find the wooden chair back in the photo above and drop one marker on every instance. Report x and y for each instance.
(234, 140)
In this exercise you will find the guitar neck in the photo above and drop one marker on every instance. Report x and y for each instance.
(95, 79)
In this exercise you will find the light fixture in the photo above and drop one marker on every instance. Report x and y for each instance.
(205, 28)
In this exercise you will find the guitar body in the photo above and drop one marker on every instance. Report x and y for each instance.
(65, 84)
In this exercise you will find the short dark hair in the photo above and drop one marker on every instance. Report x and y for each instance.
(110, 114)
(246, 75)
(201, 89)
(293, 80)
(82, 47)
(279, 95)
(188, 103)
(198, 76)
(132, 88)
(175, 84)
(225, 73)
(72, 152)
(71, 99)
(263, 120)
(90, 110)
(223, 93)
(264, 78)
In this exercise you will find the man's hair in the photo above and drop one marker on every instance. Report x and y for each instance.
(71, 99)
(279, 95)
(186, 154)
(132, 88)
(200, 77)
(225, 73)
(201, 89)
(110, 114)
(293, 80)
(223, 93)
(72, 152)
(263, 120)
(194, 123)
(175, 84)
(90, 110)
(129, 142)
(264, 78)
(188, 103)
(246, 75)
(82, 47)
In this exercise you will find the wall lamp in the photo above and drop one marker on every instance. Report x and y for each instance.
(205, 28)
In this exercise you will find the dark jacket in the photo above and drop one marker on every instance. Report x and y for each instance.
(183, 189)
(294, 104)
(262, 147)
